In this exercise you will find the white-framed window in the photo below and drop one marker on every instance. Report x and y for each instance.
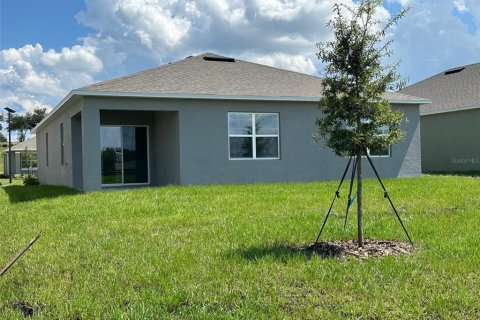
(377, 153)
(253, 135)
(29, 160)
(384, 152)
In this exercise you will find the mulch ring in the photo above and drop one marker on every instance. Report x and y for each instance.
(350, 248)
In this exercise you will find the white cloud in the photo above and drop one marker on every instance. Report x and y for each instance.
(403, 3)
(30, 76)
(75, 59)
(149, 28)
(473, 7)
(460, 5)
(129, 35)
(431, 39)
(150, 18)
(280, 10)
(143, 33)
(232, 11)
(297, 63)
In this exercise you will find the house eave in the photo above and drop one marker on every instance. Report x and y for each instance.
(87, 93)
(224, 97)
(410, 101)
(95, 93)
(54, 110)
(450, 110)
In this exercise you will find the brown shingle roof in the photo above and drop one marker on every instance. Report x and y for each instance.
(449, 90)
(195, 75)
(30, 144)
(198, 78)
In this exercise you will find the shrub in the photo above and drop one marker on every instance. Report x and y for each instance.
(30, 180)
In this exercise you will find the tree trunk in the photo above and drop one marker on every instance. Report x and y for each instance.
(359, 200)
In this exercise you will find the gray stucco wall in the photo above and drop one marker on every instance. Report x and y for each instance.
(189, 142)
(77, 158)
(55, 172)
(450, 141)
(204, 147)
(167, 148)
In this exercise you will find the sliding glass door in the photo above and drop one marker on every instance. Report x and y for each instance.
(124, 151)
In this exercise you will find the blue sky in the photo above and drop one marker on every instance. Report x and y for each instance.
(50, 47)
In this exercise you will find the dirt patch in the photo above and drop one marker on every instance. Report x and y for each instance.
(25, 308)
(371, 248)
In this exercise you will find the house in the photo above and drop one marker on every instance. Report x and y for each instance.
(451, 124)
(206, 119)
(23, 157)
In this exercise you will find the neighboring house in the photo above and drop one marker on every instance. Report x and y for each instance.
(20, 160)
(450, 126)
(202, 120)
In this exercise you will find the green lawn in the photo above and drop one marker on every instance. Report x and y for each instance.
(225, 252)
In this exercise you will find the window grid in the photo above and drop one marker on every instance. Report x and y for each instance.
(23, 161)
(383, 131)
(389, 155)
(254, 137)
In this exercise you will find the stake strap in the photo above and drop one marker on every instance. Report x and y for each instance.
(387, 196)
(337, 195)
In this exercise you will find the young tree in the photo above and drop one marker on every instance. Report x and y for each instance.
(355, 80)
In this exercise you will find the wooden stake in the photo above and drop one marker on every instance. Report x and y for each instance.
(20, 254)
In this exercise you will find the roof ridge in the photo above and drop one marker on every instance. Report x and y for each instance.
(128, 76)
(464, 66)
(277, 68)
(131, 75)
(445, 70)
(442, 73)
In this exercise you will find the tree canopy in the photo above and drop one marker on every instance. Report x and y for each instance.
(356, 116)
(356, 77)
(22, 123)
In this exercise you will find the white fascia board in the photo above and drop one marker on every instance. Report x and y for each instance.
(410, 101)
(450, 110)
(191, 96)
(94, 93)
(222, 97)
(58, 106)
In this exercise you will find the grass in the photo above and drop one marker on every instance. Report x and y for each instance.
(5, 181)
(224, 252)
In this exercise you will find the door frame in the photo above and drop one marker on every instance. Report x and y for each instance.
(123, 184)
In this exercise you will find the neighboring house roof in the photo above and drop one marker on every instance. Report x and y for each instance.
(29, 144)
(451, 90)
(210, 76)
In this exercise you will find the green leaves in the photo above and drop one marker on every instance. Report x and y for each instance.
(355, 80)
(24, 122)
